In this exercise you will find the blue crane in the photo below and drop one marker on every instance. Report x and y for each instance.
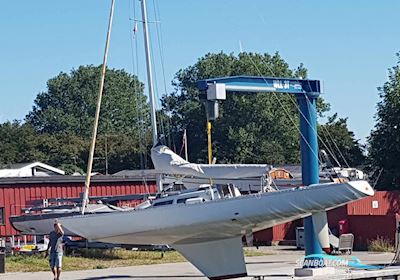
(306, 92)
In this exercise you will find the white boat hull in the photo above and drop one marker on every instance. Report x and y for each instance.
(43, 223)
(214, 219)
(39, 225)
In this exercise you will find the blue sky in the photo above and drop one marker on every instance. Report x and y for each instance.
(347, 44)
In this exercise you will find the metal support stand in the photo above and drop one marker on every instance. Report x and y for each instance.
(2, 262)
(396, 259)
(2, 256)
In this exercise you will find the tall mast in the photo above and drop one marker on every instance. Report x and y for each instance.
(149, 73)
(150, 85)
(85, 198)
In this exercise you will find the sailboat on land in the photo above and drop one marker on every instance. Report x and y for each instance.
(208, 232)
(206, 225)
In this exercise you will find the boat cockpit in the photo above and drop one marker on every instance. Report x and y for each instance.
(203, 193)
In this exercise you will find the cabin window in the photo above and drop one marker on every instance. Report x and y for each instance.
(183, 200)
(2, 221)
(167, 202)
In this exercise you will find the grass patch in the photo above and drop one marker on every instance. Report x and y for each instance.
(22, 263)
(99, 259)
(381, 244)
(254, 253)
(93, 260)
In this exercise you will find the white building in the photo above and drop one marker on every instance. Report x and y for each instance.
(29, 170)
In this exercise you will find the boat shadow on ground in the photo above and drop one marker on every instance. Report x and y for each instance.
(171, 276)
(141, 277)
(266, 276)
(108, 277)
(266, 262)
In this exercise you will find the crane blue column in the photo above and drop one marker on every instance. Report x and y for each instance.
(306, 92)
(309, 160)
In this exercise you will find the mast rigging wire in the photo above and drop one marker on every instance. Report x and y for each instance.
(334, 143)
(139, 106)
(287, 112)
(161, 53)
(298, 109)
(330, 151)
(161, 119)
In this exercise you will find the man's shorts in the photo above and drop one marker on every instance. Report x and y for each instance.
(55, 260)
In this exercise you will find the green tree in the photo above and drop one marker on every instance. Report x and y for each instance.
(384, 141)
(58, 129)
(20, 143)
(340, 143)
(69, 104)
(16, 143)
(251, 128)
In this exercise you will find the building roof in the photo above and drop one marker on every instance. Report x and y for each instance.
(18, 165)
(68, 179)
(137, 173)
(294, 170)
(30, 169)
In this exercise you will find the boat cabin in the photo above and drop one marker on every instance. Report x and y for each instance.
(202, 194)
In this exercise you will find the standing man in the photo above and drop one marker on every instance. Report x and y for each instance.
(56, 249)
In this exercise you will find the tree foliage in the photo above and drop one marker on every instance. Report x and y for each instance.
(16, 143)
(340, 143)
(21, 143)
(384, 141)
(69, 104)
(58, 129)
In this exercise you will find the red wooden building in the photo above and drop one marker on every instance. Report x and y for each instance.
(367, 219)
(19, 193)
